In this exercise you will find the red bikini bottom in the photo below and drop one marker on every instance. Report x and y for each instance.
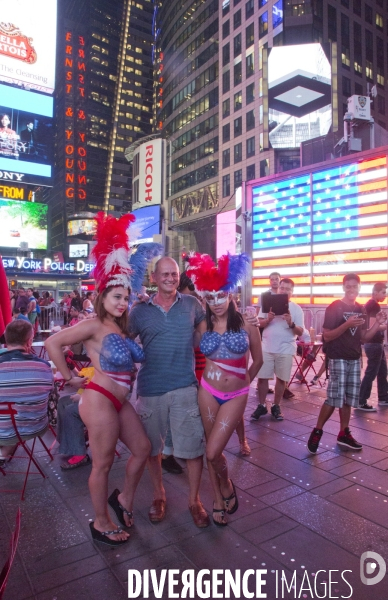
(97, 388)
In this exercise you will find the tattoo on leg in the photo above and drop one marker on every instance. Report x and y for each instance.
(224, 423)
(210, 416)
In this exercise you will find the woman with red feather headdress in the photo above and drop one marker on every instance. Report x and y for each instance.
(227, 340)
(104, 406)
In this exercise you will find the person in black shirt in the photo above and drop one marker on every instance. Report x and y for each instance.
(375, 353)
(344, 329)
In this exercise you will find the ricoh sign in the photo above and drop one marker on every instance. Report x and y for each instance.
(147, 174)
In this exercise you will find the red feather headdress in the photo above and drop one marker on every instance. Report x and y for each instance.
(112, 251)
(208, 277)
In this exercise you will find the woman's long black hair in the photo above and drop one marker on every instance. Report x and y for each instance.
(235, 320)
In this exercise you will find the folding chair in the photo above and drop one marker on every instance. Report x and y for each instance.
(12, 551)
(7, 409)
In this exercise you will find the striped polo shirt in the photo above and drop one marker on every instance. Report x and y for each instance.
(25, 380)
(167, 340)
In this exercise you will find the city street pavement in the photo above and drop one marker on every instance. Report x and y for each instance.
(297, 513)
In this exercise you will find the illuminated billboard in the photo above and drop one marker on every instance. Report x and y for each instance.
(317, 226)
(81, 227)
(299, 94)
(226, 232)
(78, 250)
(147, 182)
(23, 222)
(26, 135)
(147, 222)
(28, 43)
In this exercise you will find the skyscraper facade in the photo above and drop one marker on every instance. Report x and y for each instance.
(215, 142)
(104, 102)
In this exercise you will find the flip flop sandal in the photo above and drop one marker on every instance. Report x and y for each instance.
(227, 500)
(219, 523)
(67, 466)
(100, 536)
(119, 510)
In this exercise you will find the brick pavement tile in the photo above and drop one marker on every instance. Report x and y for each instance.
(270, 531)
(264, 515)
(285, 427)
(327, 460)
(332, 487)
(364, 502)
(274, 498)
(382, 464)
(97, 586)
(295, 471)
(283, 443)
(65, 573)
(351, 467)
(372, 478)
(374, 440)
(354, 534)
(266, 488)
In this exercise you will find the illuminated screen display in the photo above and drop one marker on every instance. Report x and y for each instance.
(299, 91)
(318, 226)
(28, 43)
(23, 222)
(277, 15)
(78, 250)
(148, 222)
(81, 226)
(26, 134)
(226, 232)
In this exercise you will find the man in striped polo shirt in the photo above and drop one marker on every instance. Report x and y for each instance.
(166, 383)
(25, 380)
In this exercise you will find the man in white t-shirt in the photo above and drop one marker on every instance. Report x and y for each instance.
(279, 347)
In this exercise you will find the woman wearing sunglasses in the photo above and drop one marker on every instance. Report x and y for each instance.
(227, 340)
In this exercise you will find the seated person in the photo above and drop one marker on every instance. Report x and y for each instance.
(20, 314)
(71, 429)
(26, 381)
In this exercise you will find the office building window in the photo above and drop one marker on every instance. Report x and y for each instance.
(345, 3)
(250, 172)
(226, 186)
(368, 14)
(238, 73)
(226, 108)
(263, 24)
(379, 21)
(225, 29)
(250, 116)
(357, 8)
(249, 65)
(250, 147)
(249, 35)
(346, 86)
(249, 9)
(237, 178)
(238, 153)
(381, 104)
(237, 101)
(225, 7)
(226, 132)
(250, 93)
(264, 167)
(226, 158)
(332, 23)
(237, 19)
(358, 89)
(237, 45)
(235, 2)
(237, 126)
(225, 82)
(225, 54)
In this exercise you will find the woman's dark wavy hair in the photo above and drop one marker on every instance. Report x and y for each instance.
(235, 320)
(101, 313)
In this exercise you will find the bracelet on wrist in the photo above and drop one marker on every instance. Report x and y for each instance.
(292, 326)
(67, 380)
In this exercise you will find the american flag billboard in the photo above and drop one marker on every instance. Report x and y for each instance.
(317, 226)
